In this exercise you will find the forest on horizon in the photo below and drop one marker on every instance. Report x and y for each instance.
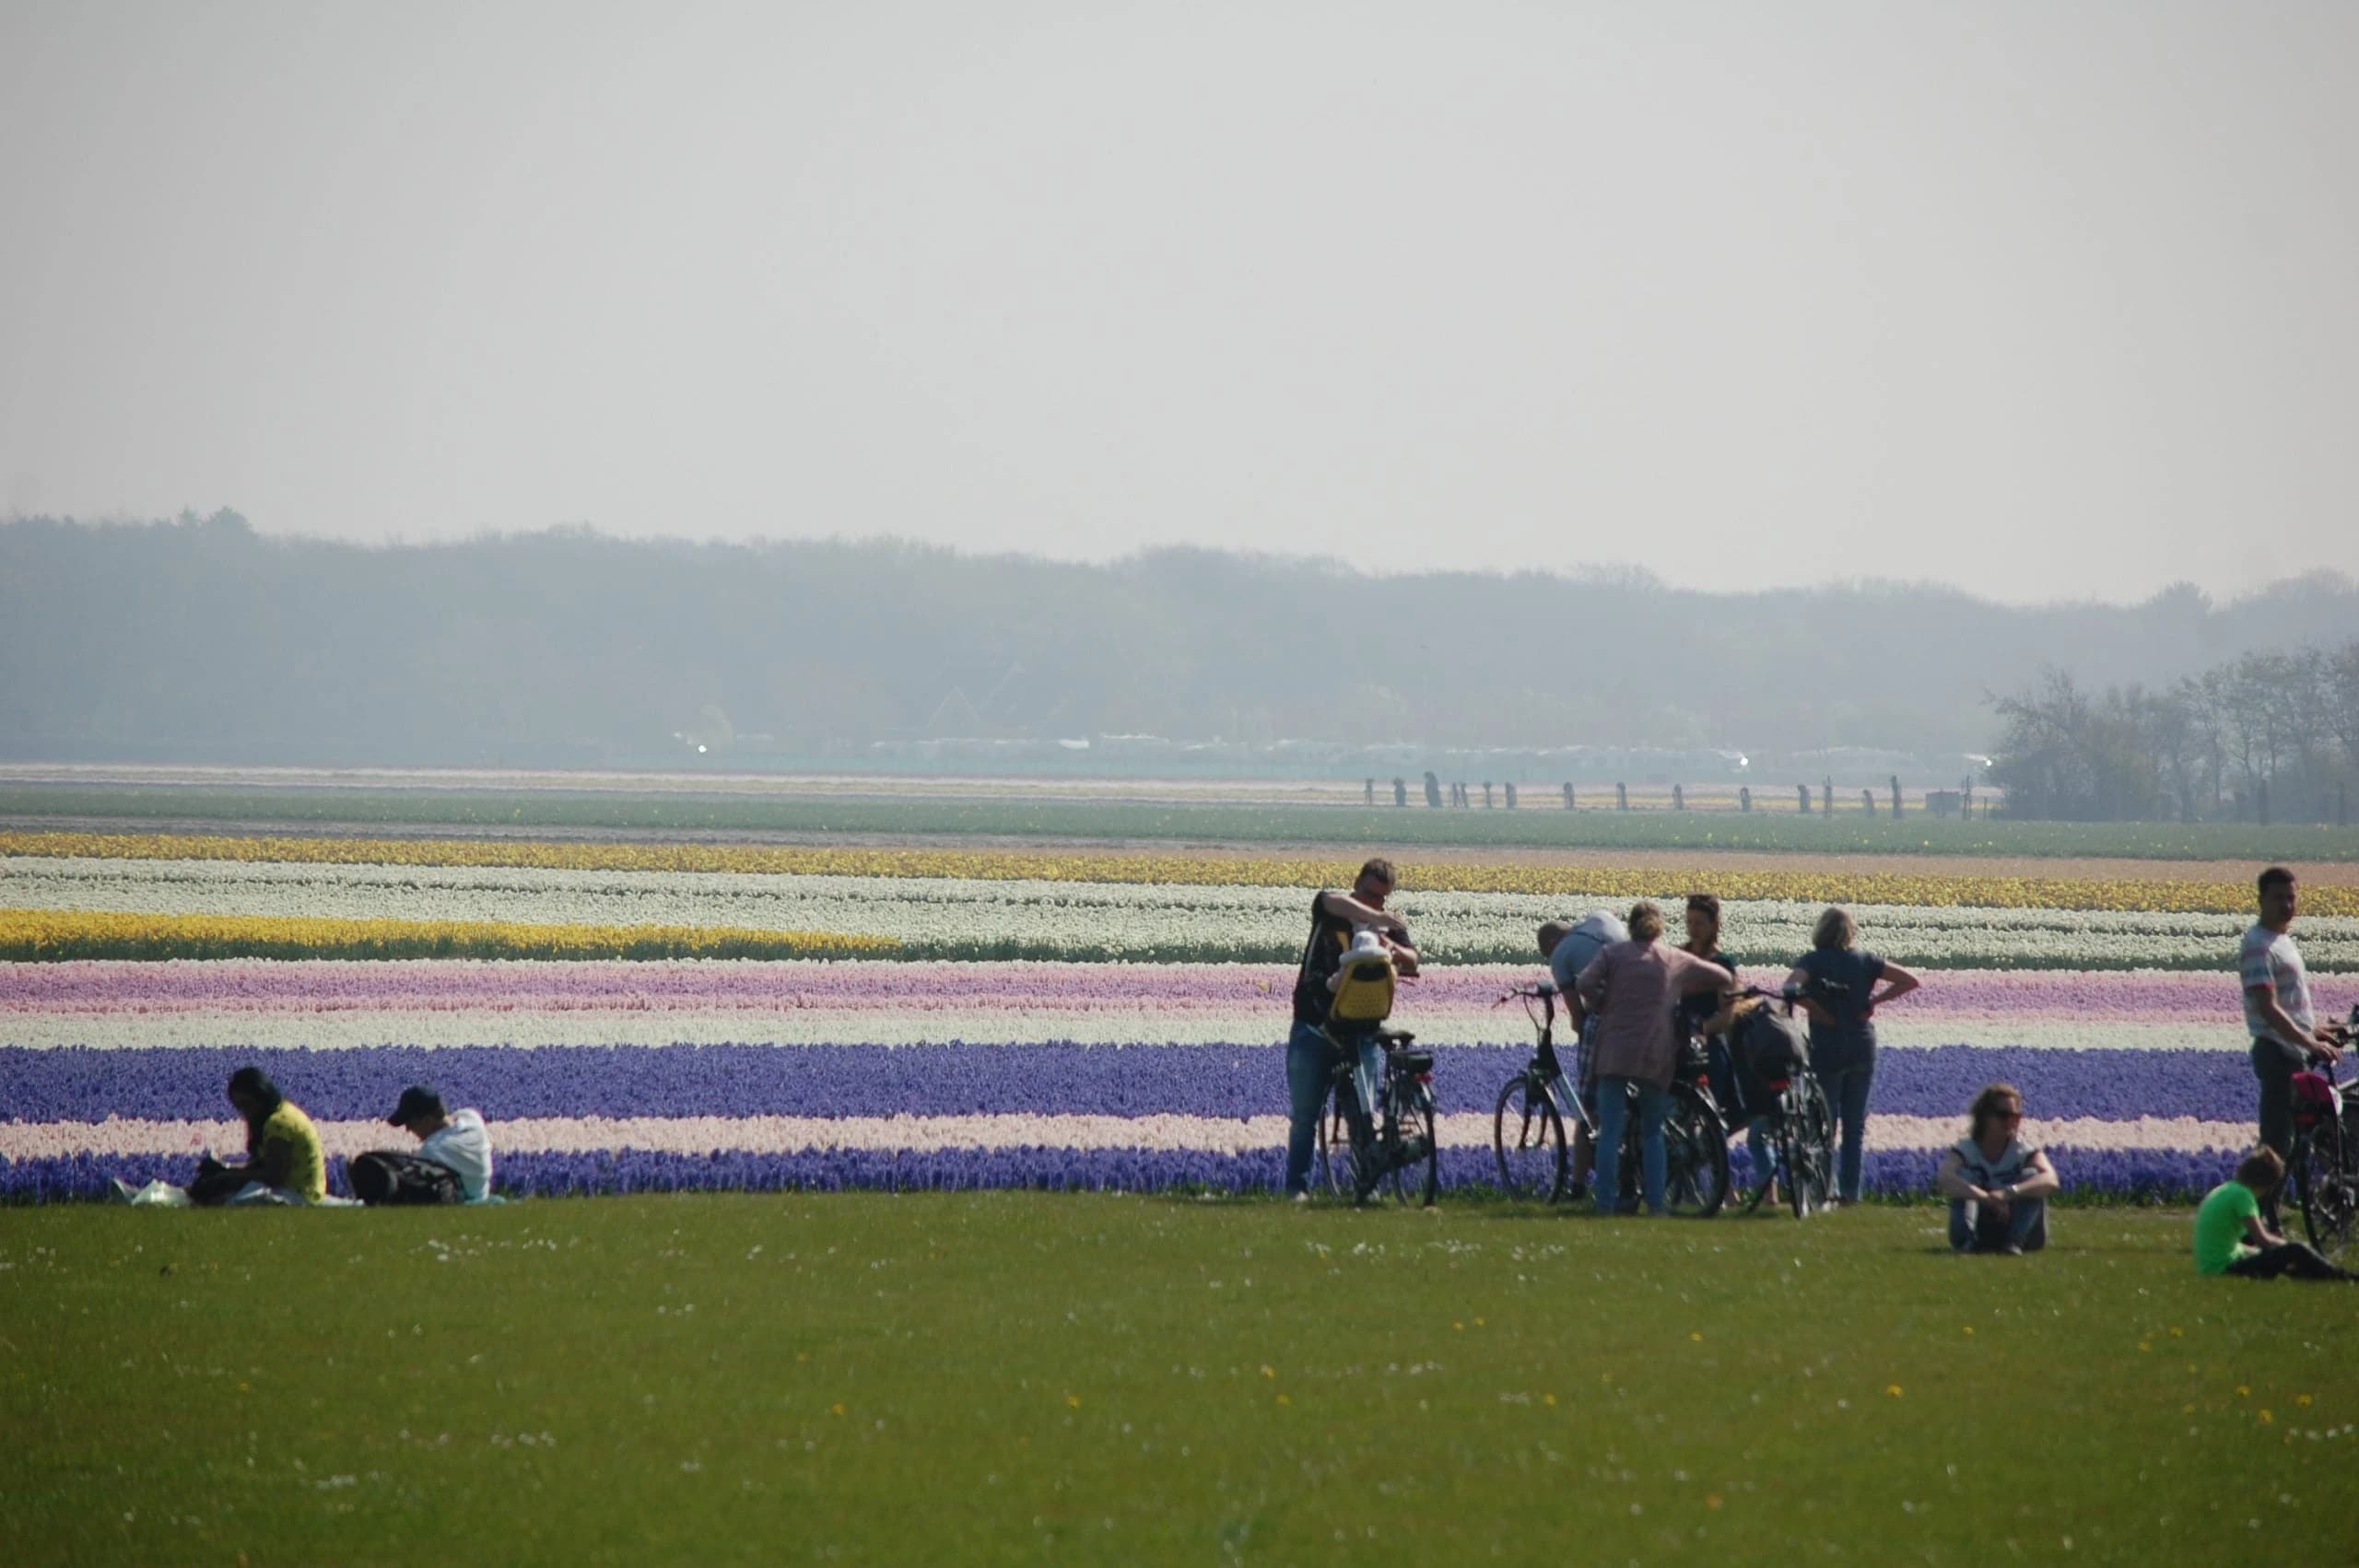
(198, 639)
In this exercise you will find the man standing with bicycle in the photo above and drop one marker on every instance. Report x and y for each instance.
(2287, 1037)
(1311, 1056)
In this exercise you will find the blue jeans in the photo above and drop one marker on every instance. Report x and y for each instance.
(1612, 1118)
(1311, 1063)
(1847, 1096)
(1975, 1229)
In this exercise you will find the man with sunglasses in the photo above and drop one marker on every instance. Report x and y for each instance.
(1335, 915)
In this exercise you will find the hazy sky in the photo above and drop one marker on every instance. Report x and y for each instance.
(2049, 299)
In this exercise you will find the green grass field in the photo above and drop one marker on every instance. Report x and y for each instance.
(1029, 1378)
(1849, 832)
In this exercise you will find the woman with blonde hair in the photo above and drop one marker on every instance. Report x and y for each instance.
(1632, 988)
(1838, 984)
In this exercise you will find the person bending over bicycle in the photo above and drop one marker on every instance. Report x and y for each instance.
(1570, 947)
(1312, 1053)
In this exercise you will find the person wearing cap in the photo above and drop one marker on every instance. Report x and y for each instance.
(452, 1162)
(458, 1141)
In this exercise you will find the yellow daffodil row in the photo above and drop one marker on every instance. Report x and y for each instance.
(51, 934)
(1802, 884)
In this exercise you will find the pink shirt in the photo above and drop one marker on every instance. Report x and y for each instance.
(1632, 987)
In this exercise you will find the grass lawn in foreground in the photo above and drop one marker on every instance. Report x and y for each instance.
(1028, 1377)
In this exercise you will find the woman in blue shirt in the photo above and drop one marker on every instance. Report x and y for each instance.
(1838, 983)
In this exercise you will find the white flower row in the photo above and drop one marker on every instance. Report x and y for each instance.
(1094, 919)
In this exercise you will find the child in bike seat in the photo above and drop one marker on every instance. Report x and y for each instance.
(1363, 986)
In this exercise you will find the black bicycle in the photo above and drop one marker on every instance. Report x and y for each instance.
(2324, 1170)
(1795, 1122)
(1396, 1148)
(1528, 1126)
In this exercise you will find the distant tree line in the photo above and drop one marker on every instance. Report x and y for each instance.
(200, 640)
(2263, 737)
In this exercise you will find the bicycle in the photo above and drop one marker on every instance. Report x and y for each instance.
(1798, 1125)
(1528, 1126)
(1398, 1148)
(2324, 1169)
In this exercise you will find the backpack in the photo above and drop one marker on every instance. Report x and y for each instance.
(1364, 996)
(2313, 1098)
(1771, 1047)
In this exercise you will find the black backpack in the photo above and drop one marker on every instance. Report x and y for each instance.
(1771, 1047)
(382, 1177)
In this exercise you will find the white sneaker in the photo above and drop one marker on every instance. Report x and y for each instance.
(1298, 1198)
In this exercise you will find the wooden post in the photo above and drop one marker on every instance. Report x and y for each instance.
(1827, 793)
(1433, 791)
(1896, 797)
(1678, 798)
(1370, 796)
(1399, 790)
(1509, 788)
(2261, 798)
(1486, 794)
(1868, 802)
(1621, 796)
(2342, 804)
(1744, 796)
(1568, 794)
(1802, 793)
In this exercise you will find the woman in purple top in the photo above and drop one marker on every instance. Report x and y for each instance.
(1632, 987)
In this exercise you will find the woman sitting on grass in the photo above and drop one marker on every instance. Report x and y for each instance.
(1997, 1186)
(2230, 1239)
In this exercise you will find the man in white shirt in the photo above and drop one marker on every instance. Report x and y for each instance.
(2287, 1037)
(460, 1142)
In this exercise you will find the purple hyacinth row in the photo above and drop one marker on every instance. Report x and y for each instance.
(2143, 1175)
(504, 1082)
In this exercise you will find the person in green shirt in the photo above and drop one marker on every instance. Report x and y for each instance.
(2230, 1239)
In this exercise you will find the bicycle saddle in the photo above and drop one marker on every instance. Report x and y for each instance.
(1393, 1039)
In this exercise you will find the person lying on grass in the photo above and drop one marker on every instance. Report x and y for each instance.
(2230, 1239)
(1998, 1186)
(452, 1162)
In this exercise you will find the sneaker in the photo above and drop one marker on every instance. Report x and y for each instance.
(1299, 1197)
(2010, 1249)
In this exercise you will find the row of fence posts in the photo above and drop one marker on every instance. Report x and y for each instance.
(1460, 795)
(1940, 802)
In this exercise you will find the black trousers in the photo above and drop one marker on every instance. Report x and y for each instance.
(2275, 1065)
(2287, 1257)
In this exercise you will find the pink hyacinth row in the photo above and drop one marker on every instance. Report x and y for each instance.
(121, 1138)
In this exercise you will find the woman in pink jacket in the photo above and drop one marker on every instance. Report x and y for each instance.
(1632, 988)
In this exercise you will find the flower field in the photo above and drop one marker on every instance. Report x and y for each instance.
(634, 1017)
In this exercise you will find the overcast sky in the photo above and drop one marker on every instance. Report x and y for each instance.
(2051, 299)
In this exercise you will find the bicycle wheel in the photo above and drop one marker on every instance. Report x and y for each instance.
(2326, 1184)
(1337, 1167)
(1810, 1147)
(1416, 1176)
(1697, 1147)
(1528, 1136)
